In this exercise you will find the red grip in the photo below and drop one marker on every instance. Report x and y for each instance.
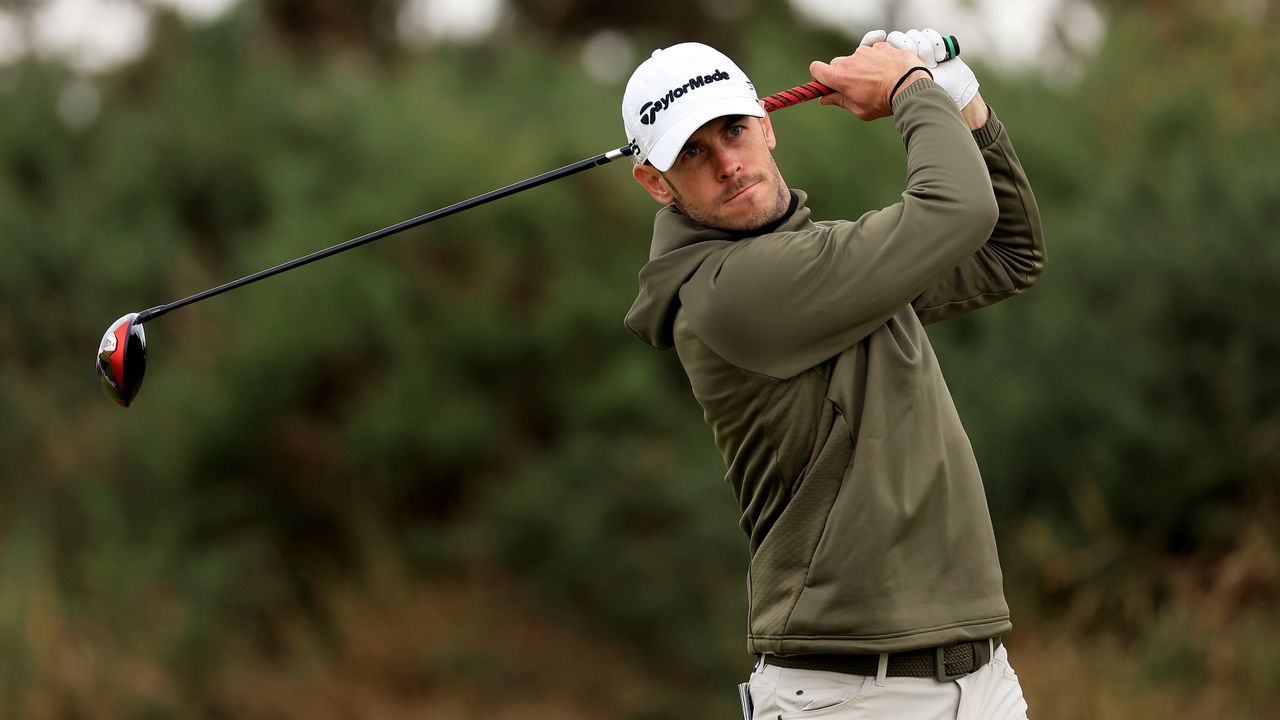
(814, 90)
(798, 94)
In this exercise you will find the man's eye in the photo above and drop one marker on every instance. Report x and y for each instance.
(691, 153)
(736, 130)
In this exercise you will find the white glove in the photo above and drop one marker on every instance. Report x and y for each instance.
(952, 75)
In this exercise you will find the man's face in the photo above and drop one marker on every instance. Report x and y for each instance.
(724, 176)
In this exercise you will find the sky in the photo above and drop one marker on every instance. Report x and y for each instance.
(94, 36)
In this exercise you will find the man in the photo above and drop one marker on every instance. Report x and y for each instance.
(875, 589)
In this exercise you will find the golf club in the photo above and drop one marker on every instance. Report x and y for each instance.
(121, 361)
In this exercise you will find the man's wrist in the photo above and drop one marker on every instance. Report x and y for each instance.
(911, 89)
(976, 112)
(911, 76)
(990, 130)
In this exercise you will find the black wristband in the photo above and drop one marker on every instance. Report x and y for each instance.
(903, 79)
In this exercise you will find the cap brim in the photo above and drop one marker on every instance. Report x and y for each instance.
(664, 151)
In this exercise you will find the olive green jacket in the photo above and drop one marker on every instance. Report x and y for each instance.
(805, 346)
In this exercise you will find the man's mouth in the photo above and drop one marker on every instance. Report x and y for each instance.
(740, 191)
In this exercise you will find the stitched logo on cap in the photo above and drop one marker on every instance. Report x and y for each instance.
(651, 109)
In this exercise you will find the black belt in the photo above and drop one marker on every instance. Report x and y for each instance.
(945, 663)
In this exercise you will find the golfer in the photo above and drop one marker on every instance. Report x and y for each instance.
(875, 588)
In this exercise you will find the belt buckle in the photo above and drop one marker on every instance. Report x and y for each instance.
(940, 666)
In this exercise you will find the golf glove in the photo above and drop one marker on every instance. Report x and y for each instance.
(953, 75)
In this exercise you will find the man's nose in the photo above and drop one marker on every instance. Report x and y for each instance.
(728, 163)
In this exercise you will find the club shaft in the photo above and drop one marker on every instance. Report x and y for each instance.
(798, 94)
(457, 207)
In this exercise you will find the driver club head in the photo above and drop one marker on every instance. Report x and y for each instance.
(122, 359)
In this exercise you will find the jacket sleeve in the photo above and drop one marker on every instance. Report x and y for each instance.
(779, 304)
(1012, 258)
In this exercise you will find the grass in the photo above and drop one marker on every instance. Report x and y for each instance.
(478, 644)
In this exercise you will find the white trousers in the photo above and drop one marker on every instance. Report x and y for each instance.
(991, 693)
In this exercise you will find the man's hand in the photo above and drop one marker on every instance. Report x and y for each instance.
(864, 80)
(953, 75)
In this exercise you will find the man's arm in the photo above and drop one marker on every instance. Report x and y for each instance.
(1013, 257)
(780, 304)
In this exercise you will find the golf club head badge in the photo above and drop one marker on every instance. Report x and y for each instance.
(122, 359)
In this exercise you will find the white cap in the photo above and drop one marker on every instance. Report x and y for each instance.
(675, 91)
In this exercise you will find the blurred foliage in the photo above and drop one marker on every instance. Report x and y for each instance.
(350, 455)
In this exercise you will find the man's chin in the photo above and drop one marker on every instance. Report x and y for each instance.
(739, 224)
(762, 219)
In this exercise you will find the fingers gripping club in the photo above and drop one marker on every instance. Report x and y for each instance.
(950, 47)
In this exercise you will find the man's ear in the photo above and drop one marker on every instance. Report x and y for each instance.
(648, 176)
(767, 126)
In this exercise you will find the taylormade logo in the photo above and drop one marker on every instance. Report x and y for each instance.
(652, 108)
